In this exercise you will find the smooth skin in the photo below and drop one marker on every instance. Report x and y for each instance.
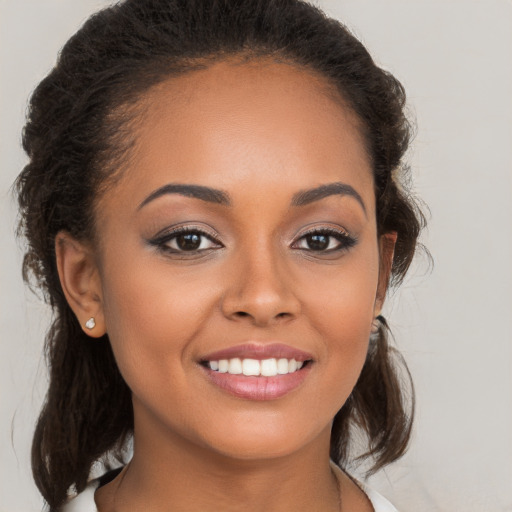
(261, 133)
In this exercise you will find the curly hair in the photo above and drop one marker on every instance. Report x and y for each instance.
(77, 135)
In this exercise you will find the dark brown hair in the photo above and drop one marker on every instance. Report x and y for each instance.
(77, 136)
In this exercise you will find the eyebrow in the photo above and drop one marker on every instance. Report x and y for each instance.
(211, 195)
(315, 194)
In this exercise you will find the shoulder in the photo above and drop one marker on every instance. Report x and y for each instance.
(357, 490)
(379, 503)
(83, 502)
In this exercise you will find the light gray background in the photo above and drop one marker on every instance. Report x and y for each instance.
(454, 325)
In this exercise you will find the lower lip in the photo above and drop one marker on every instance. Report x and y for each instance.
(258, 388)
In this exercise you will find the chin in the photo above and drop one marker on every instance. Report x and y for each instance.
(259, 440)
(244, 449)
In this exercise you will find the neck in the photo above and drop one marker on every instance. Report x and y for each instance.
(171, 472)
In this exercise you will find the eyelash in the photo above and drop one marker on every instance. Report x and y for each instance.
(162, 241)
(345, 241)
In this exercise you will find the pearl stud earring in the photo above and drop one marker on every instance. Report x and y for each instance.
(91, 323)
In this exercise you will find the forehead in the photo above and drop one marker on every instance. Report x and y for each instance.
(258, 122)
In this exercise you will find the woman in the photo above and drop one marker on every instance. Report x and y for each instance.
(214, 206)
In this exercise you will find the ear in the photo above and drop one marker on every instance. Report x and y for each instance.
(80, 281)
(387, 243)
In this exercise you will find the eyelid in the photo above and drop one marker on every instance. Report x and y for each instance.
(345, 239)
(167, 233)
(325, 229)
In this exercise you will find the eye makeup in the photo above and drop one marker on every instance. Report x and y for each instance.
(193, 240)
(325, 240)
(186, 240)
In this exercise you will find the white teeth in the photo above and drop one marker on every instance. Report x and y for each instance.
(255, 367)
(269, 367)
(282, 366)
(251, 367)
(235, 366)
(223, 365)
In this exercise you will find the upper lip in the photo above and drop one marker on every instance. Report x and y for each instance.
(260, 351)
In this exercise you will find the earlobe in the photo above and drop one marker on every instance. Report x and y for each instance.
(387, 243)
(80, 281)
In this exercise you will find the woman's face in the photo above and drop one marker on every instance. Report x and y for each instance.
(243, 228)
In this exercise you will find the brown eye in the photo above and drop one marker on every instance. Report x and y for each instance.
(317, 242)
(183, 240)
(188, 241)
(325, 240)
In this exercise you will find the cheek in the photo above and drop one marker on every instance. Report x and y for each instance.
(341, 312)
(341, 301)
(152, 318)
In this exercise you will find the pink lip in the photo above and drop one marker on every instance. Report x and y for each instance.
(259, 351)
(258, 388)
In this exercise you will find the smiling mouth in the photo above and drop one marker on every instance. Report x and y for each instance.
(257, 379)
(271, 367)
(257, 371)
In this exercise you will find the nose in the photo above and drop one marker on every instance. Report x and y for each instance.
(260, 289)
